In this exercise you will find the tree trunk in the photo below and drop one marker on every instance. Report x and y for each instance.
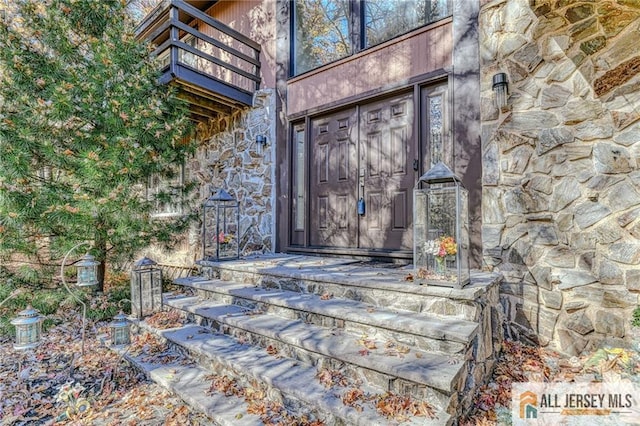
(101, 255)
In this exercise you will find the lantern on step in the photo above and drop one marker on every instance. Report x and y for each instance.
(441, 229)
(28, 325)
(120, 330)
(146, 288)
(220, 227)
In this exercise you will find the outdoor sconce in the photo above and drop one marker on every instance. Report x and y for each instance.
(441, 229)
(500, 88)
(146, 288)
(87, 271)
(261, 143)
(28, 325)
(120, 330)
(220, 226)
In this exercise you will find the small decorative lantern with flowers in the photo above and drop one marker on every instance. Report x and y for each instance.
(146, 288)
(28, 325)
(120, 330)
(441, 229)
(220, 226)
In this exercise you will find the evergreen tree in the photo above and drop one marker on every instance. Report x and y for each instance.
(83, 126)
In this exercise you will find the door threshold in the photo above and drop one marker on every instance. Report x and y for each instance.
(394, 256)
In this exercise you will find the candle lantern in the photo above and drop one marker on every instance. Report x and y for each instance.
(28, 325)
(220, 226)
(87, 271)
(120, 330)
(441, 229)
(146, 288)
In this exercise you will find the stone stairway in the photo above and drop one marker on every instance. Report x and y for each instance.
(328, 339)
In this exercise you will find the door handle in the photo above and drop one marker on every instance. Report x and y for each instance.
(416, 164)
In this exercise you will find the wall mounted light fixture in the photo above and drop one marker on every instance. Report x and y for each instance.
(501, 89)
(261, 143)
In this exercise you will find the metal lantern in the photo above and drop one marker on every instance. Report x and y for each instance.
(220, 226)
(87, 271)
(28, 325)
(146, 288)
(441, 229)
(120, 330)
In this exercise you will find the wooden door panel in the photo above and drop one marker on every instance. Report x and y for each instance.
(333, 181)
(387, 152)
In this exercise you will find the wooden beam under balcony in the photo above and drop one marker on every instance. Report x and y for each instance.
(216, 68)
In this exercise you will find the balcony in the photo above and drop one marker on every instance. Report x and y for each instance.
(216, 68)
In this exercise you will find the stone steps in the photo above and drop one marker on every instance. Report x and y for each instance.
(292, 383)
(425, 331)
(353, 280)
(421, 374)
(279, 322)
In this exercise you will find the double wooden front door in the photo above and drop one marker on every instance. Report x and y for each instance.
(363, 155)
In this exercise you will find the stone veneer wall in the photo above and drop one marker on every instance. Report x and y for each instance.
(560, 199)
(228, 158)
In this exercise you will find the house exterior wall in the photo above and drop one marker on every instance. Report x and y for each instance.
(392, 64)
(256, 20)
(560, 196)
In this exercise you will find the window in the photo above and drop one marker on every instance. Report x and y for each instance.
(321, 29)
(327, 30)
(299, 174)
(384, 19)
(166, 194)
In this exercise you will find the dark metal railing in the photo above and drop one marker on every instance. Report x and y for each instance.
(199, 50)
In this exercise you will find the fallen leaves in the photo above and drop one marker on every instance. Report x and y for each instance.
(330, 378)
(394, 349)
(355, 398)
(271, 413)
(401, 407)
(166, 319)
(326, 296)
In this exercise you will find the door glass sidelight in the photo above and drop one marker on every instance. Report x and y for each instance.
(435, 124)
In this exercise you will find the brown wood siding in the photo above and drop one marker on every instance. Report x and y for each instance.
(256, 20)
(388, 65)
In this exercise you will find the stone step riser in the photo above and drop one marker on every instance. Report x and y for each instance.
(293, 405)
(384, 382)
(372, 332)
(445, 306)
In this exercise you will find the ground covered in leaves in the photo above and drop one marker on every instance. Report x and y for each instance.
(56, 385)
(522, 363)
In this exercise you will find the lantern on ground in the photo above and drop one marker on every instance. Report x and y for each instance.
(146, 288)
(87, 271)
(220, 226)
(120, 330)
(441, 229)
(28, 325)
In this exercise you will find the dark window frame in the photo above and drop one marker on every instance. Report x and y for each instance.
(357, 33)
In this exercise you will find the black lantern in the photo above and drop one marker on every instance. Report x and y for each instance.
(87, 271)
(120, 330)
(220, 226)
(28, 325)
(441, 229)
(146, 288)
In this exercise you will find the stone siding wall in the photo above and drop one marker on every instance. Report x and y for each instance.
(561, 194)
(229, 158)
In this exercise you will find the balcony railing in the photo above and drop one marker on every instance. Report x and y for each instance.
(216, 67)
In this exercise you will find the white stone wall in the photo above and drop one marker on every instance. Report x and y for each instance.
(561, 183)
